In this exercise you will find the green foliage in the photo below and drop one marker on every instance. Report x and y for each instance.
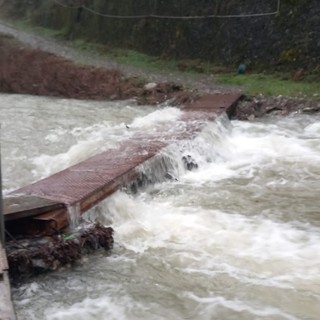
(280, 42)
(290, 55)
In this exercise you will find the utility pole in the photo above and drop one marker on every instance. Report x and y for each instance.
(2, 227)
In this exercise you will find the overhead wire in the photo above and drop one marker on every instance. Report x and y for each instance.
(155, 16)
(66, 5)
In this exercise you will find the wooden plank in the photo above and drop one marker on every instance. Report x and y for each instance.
(22, 206)
(6, 305)
(3, 260)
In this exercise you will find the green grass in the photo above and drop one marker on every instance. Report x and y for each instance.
(25, 25)
(272, 85)
(133, 58)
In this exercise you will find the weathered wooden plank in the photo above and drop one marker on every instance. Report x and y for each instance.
(21, 206)
(3, 260)
(6, 306)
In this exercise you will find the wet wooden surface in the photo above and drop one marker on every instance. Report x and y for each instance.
(6, 306)
(20, 206)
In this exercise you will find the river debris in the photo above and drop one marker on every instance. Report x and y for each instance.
(31, 256)
(154, 93)
(189, 163)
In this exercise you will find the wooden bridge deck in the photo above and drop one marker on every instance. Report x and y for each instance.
(44, 204)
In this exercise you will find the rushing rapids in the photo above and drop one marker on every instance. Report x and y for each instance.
(234, 236)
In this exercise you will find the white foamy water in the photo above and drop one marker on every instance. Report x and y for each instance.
(42, 136)
(236, 238)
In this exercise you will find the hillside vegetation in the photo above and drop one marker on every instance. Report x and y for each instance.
(286, 41)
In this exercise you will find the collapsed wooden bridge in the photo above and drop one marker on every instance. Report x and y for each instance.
(41, 209)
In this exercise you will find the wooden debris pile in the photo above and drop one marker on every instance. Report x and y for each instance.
(28, 257)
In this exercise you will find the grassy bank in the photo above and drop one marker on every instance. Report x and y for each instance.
(273, 85)
(251, 83)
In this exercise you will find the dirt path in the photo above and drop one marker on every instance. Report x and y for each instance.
(203, 83)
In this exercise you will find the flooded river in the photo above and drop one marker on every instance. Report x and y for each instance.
(237, 238)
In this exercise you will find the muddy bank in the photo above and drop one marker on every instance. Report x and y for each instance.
(250, 108)
(204, 84)
(25, 70)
